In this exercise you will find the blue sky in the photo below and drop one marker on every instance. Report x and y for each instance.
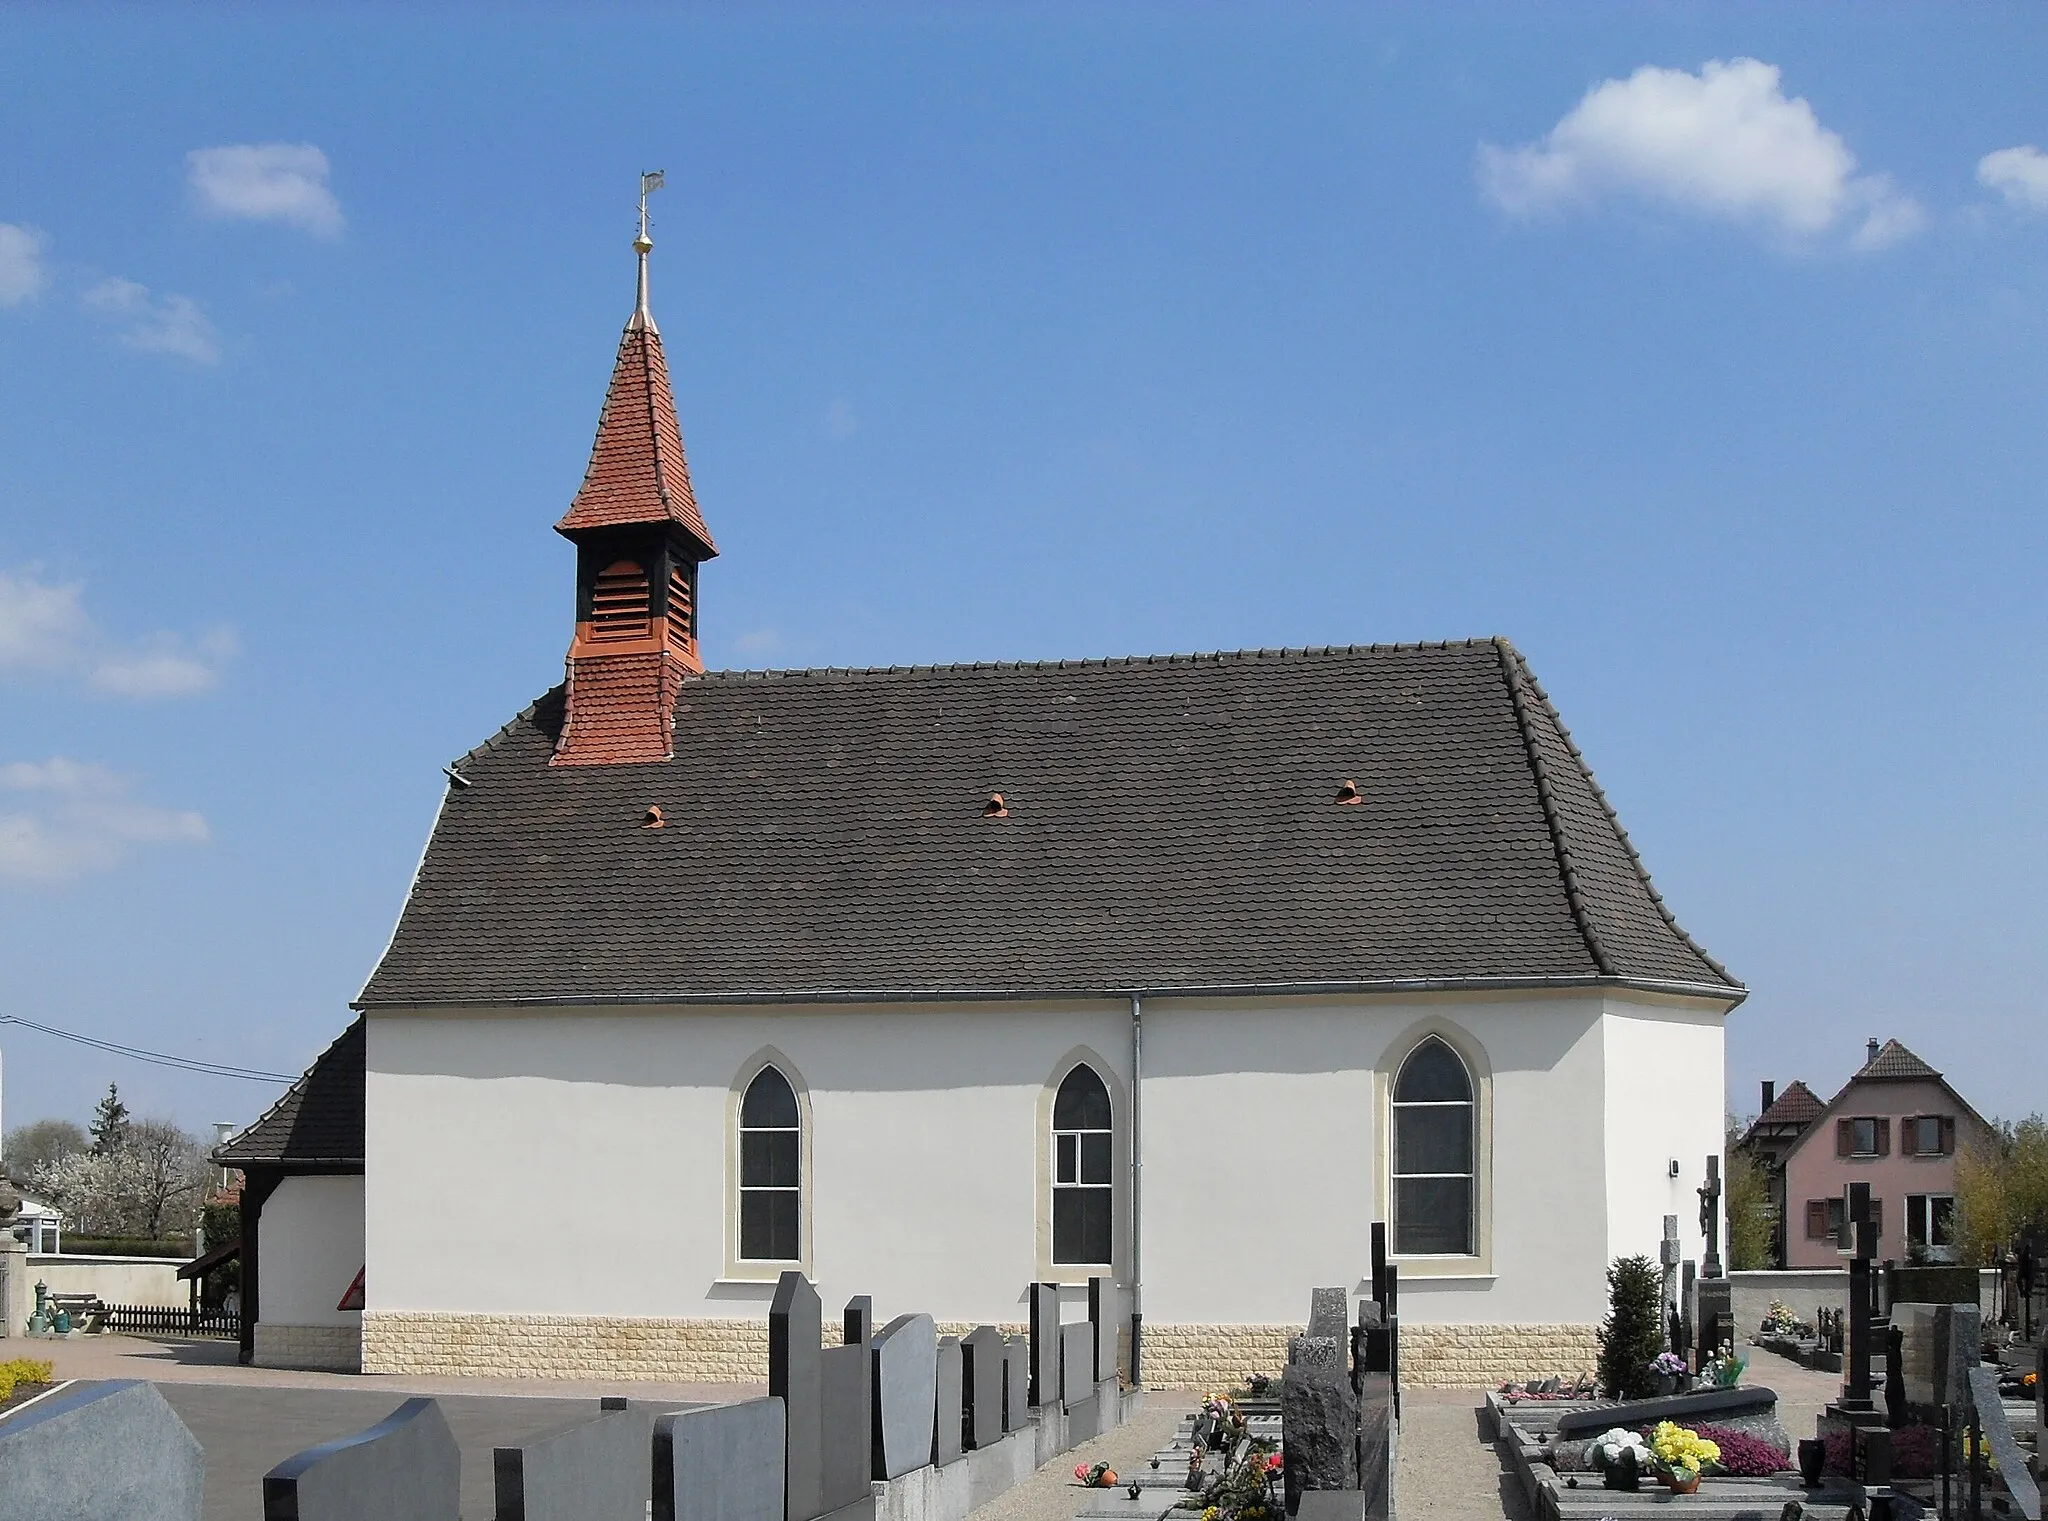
(1698, 350)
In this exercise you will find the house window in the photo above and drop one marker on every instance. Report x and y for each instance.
(1931, 1222)
(1081, 1186)
(771, 1166)
(1930, 1135)
(1823, 1218)
(1864, 1136)
(1434, 1180)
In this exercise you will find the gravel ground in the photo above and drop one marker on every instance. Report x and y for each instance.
(1445, 1468)
(1051, 1493)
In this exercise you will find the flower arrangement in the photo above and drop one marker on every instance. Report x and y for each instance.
(1667, 1365)
(1780, 1321)
(1095, 1475)
(1681, 1453)
(1723, 1372)
(1744, 1456)
(1608, 1447)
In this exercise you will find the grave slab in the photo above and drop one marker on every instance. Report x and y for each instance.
(595, 1470)
(721, 1463)
(949, 1413)
(1077, 1361)
(981, 1379)
(796, 1377)
(1702, 1405)
(906, 1361)
(145, 1465)
(405, 1468)
(2012, 1462)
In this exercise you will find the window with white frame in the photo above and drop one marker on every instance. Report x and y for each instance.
(1435, 1147)
(1931, 1223)
(771, 1170)
(1082, 1190)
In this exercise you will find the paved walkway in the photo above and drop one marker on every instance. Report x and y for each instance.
(1446, 1469)
(1051, 1493)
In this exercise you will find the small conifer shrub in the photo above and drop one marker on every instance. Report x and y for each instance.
(1633, 1333)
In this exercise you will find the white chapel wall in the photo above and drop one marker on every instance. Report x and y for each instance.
(311, 1238)
(1666, 1092)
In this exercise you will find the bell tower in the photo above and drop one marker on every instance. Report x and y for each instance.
(639, 539)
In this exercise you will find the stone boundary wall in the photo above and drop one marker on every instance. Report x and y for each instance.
(336, 1349)
(1448, 1356)
(580, 1346)
(1805, 1290)
(117, 1280)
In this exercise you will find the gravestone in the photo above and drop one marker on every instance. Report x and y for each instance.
(1668, 1255)
(1375, 1434)
(1016, 1383)
(595, 1470)
(404, 1468)
(111, 1452)
(1379, 1264)
(796, 1376)
(1688, 1306)
(949, 1403)
(906, 1395)
(2041, 1386)
(1914, 1326)
(2012, 1462)
(1958, 1349)
(1710, 1220)
(1095, 1323)
(1045, 1343)
(1077, 1362)
(1328, 1309)
(1319, 1430)
(981, 1379)
(721, 1463)
(847, 1416)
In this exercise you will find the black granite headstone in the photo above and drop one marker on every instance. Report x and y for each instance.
(847, 1422)
(1379, 1263)
(949, 1403)
(405, 1468)
(1045, 1343)
(981, 1377)
(796, 1377)
(1095, 1324)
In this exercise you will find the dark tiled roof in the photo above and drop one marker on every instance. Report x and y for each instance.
(1797, 1105)
(637, 472)
(1894, 1060)
(1172, 823)
(319, 1119)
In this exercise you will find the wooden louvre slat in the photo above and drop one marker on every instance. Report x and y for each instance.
(618, 602)
(679, 610)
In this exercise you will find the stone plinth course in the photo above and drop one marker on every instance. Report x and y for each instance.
(721, 1463)
(405, 1468)
(100, 1452)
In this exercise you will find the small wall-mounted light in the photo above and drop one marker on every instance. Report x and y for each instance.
(1349, 793)
(995, 807)
(1672, 1165)
(652, 818)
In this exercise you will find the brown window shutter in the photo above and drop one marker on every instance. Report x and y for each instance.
(1909, 1136)
(1845, 1138)
(1816, 1219)
(1948, 1135)
(1884, 1136)
(1877, 1214)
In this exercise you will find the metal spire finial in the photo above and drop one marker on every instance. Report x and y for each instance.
(650, 181)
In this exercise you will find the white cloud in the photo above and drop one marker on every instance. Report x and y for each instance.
(170, 324)
(1723, 142)
(21, 264)
(60, 818)
(2019, 174)
(46, 631)
(266, 182)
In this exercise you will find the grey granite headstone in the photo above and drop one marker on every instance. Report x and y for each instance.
(2012, 1463)
(981, 1376)
(796, 1376)
(100, 1452)
(1077, 1362)
(906, 1358)
(1328, 1310)
(1319, 1430)
(1958, 1348)
(595, 1470)
(847, 1422)
(1915, 1324)
(1315, 1351)
(721, 1463)
(405, 1468)
(1016, 1382)
(1045, 1343)
(949, 1403)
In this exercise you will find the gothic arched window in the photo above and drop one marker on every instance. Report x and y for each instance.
(1081, 1186)
(1434, 1151)
(771, 1170)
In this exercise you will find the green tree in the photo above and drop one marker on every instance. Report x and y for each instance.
(28, 1146)
(109, 1123)
(1633, 1333)
(2002, 1189)
(1752, 1217)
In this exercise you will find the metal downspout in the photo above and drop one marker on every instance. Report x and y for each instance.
(1137, 1189)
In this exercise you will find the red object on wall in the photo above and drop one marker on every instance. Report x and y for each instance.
(353, 1299)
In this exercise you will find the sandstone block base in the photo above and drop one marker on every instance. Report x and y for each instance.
(333, 1349)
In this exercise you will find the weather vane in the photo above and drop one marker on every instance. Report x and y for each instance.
(651, 180)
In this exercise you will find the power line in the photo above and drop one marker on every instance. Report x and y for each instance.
(158, 1058)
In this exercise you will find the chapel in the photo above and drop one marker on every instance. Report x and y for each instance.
(1178, 971)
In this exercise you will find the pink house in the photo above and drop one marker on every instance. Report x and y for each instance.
(1895, 1125)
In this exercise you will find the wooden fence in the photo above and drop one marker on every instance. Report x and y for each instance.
(172, 1320)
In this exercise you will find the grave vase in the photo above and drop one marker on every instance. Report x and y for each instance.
(1681, 1484)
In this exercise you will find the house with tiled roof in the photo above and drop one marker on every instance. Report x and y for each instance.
(932, 981)
(1897, 1125)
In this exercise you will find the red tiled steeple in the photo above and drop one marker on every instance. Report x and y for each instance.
(639, 540)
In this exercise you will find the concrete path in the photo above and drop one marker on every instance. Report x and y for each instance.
(1446, 1469)
(1052, 1495)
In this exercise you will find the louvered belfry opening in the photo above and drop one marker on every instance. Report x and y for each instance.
(682, 612)
(618, 602)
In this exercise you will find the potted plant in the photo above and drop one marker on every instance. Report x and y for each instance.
(1668, 1371)
(1620, 1457)
(1679, 1454)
